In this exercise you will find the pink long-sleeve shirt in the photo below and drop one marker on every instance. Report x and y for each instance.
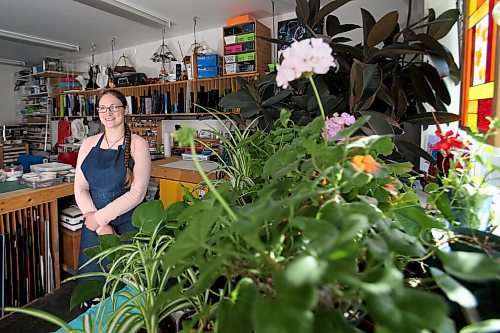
(139, 150)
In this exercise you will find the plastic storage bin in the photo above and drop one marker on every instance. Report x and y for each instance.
(207, 60)
(246, 56)
(230, 58)
(245, 38)
(207, 72)
(230, 39)
(248, 46)
(232, 68)
(249, 27)
(29, 160)
(246, 67)
(52, 166)
(233, 48)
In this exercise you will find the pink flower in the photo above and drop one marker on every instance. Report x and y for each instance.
(337, 123)
(305, 57)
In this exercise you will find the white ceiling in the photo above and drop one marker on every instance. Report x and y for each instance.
(71, 22)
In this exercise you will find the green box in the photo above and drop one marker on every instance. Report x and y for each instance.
(245, 37)
(246, 56)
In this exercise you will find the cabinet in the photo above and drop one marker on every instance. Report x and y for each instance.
(243, 50)
(70, 249)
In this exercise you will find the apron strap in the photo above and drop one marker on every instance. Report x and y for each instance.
(98, 145)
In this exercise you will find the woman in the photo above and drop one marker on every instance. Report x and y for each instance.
(112, 176)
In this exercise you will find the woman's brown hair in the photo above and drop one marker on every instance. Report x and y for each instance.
(129, 176)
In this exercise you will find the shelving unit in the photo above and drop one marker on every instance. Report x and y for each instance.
(188, 92)
(243, 50)
(37, 107)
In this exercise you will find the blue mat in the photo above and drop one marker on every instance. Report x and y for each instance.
(102, 311)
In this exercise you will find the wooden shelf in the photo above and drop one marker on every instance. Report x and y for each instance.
(179, 114)
(54, 74)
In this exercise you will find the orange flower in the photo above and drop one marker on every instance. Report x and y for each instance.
(365, 163)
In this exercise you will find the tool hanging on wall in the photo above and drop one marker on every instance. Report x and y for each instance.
(109, 69)
(93, 70)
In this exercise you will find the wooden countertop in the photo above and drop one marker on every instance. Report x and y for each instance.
(14, 200)
(182, 175)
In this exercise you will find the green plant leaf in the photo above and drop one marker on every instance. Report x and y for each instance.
(426, 118)
(417, 215)
(453, 290)
(302, 11)
(280, 163)
(436, 82)
(42, 315)
(410, 146)
(443, 24)
(368, 23)
(382, 29)
(237, 99)
(185, 135)
(327, 9)
(409, 308)
(278, 97)
(470, 266)
(84, 291)
(399, 168)
(289, 311)
(421, 86)
(332, 321)
(305, 270)
(148, 215)
(486, 326)
(174, 210)
(235, 314)
(379, 123)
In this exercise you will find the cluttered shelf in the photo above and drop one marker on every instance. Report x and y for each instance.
(189, 114)
(130, 89)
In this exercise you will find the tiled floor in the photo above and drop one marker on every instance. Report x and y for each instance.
(56, 303)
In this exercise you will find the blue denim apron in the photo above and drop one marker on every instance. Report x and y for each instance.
(104, 171)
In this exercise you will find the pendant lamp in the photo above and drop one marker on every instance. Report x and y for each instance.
(163, 55)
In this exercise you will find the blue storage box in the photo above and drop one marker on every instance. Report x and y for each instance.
(207, 72)
(207, 60)
(29, 160)
(249, 27)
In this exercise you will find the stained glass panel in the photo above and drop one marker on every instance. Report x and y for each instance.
(484, 110)
(480, 51)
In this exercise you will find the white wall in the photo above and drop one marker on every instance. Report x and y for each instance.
(8, 107)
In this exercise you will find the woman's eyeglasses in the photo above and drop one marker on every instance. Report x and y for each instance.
(111, 108)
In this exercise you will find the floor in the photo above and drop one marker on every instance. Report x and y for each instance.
(56, 303)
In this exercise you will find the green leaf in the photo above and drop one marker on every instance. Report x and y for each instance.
(278, 97)
(382, 29)
(84, 291)
(332, 321)
(403, 243)
(410, 146)
(487, 326)
(470, 266)
(185, 135)
(399, 168)
(453, 290)
(174, 210)
(417, 215)
(42, 315)
(368, 23)
(395, 50)
(282, 162)
(443, 204)
(148, 215)
(427, 119)
(443, 24)
(421, 86)
(327, 9)
(302, 11)
(305, 270)
(290, 311)
(379, 123)
(349, 131)
(235, 314)
(237, 99)
(436, 82)
(201, 217)
(408, 308)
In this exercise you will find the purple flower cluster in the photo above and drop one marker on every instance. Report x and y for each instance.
(311, 55)
(337, 123)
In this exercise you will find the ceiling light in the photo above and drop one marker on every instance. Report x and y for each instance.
(17, 37)
(12, 62)
(128, 11)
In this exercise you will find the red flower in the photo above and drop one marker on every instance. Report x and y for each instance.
(447, 142)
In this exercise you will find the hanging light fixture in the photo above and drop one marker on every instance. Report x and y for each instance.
(163, 55)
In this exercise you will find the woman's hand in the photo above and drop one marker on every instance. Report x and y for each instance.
(90, 221)
(106, 230)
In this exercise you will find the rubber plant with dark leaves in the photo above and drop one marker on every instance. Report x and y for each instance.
(393, 71)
